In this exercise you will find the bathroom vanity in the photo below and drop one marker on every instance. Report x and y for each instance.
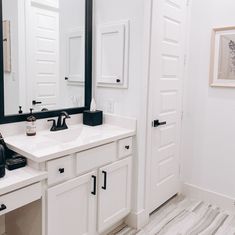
(83, 176)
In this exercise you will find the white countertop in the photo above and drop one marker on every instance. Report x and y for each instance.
(20, 178)
(48, 145)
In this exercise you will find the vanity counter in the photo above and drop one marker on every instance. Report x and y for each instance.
(20, 178)
(48, 145)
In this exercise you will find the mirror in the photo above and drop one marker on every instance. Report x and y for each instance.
(46, 55)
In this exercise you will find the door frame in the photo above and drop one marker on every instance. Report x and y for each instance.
(148, 24)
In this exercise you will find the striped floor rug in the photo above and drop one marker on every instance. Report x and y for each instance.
(183, 216)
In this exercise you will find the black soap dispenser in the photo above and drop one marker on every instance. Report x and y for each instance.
(31, 124)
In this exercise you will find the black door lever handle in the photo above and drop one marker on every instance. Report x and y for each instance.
(34, 102)
(157, 123)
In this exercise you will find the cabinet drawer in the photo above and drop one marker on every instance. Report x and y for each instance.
(125, 147)
(60, 170)
(95, 158)
(19, 198)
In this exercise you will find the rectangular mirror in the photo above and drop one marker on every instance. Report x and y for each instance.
(46, 57)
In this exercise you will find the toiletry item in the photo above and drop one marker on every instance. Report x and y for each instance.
(31, 124)
(16, 162)
(2, 161)
(8, 152)
(93, 117)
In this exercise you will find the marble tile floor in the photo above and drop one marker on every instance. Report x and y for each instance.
(184, 216)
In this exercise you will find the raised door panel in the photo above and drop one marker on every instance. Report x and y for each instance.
(166, 83)
(72, 207)
(43, 57)
(114, 193)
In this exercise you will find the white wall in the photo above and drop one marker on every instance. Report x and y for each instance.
(11, 80)
(128, 102)
(208, 149)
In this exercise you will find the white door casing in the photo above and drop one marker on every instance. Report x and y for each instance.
(72, 207)
(165, 98)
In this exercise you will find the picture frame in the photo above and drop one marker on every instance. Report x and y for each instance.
(222, 71)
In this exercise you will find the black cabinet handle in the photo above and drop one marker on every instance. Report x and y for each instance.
(3, 207)
(61, 170)
(105, 180)
(127, 147)
(94, 187)
(157, 123)
(118, 80)
(34, 102)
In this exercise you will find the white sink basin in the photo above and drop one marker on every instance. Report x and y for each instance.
(65, 136)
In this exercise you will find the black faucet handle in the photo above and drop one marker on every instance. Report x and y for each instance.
(53, 128)
(63, 113)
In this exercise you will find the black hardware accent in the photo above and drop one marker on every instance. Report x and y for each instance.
(61, 170)
(127, 147)
(105, 180)
(20, 110)
(53, 128)
(3, 207)
(118, 80)
(88, 74)
(94, 189)
(157, 123)
(66, 78)
(61, 123)
(34, 102)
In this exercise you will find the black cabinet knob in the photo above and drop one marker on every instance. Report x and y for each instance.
(127, 147)
(3, 207)
(61, 170)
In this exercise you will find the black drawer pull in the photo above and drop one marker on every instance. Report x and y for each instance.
(127, 147)
(3, 207)
(94, 189)
(105, 180)
(61, 170)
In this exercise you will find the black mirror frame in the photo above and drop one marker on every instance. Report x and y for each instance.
(88, 75)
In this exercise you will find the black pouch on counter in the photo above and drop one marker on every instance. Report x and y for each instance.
(2, 161)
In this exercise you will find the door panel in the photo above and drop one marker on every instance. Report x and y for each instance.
(72, 207)
(43, 58)
(114, 193)
(166, 75)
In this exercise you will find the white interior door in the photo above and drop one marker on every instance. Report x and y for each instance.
(72, 207)
(166, 83)
(43, 57)
(114, 199)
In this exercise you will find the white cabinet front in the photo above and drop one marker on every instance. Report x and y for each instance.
(114, 193)
(72, 207)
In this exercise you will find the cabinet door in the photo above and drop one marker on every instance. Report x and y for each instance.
(72, 207)
(114, 193)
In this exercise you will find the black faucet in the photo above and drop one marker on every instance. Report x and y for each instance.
(61, 122)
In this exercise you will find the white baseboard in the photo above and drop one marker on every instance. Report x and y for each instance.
(137, 220)
(223, 201)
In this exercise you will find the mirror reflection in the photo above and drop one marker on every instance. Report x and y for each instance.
(44, 54)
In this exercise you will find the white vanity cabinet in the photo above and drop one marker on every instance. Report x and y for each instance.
(72, 207)
(114, 193)
(96, 198)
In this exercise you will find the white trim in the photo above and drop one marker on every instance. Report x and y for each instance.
(221, 200)
(137, 220)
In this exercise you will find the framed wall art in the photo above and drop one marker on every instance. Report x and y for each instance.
(223, 57)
